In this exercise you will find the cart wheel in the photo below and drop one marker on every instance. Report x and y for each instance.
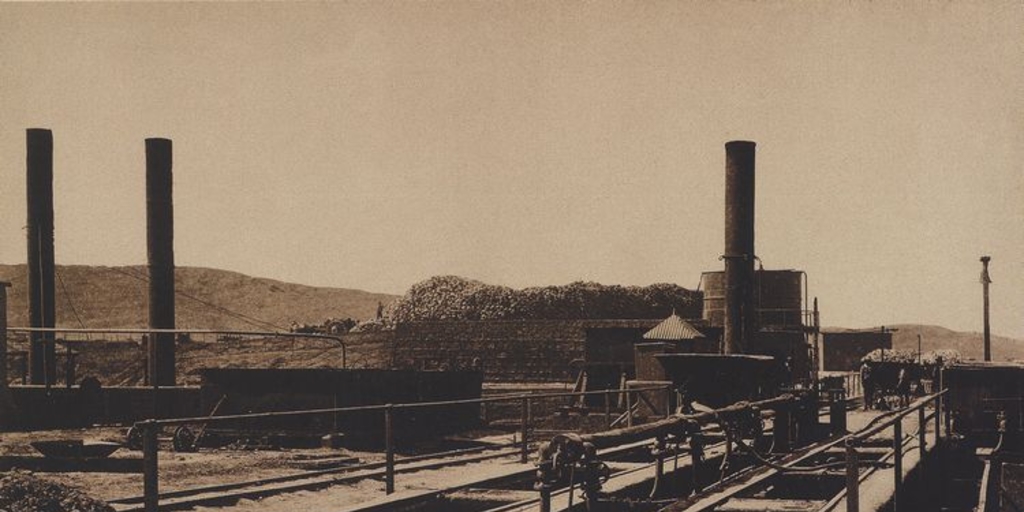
(134, 438)
(184, 439)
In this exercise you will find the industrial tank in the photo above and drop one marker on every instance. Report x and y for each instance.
(778, 298)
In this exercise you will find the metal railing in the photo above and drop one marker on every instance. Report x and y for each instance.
(266, 334)
(150, 429)
(892, 421)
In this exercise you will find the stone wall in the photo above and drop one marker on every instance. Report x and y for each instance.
(506, 351)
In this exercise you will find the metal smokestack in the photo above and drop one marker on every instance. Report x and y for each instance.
(160, 249)
(41, 304)
(740, 321)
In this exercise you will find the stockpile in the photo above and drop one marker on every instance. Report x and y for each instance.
(22, 492)
(457, 298)
(946, 357)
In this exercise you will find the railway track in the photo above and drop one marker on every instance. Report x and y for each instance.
(517, 478)
(226, 494)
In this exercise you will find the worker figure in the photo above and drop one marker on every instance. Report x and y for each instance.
(868, 384)
(903, 387)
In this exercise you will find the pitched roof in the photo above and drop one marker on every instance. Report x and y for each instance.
(673, 328)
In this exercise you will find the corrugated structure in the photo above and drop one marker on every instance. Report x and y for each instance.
(673, 328)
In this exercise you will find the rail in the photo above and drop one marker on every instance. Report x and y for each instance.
(150, 429)
(219, 332)
(894, 421)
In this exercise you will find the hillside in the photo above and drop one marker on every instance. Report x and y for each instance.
(969, 344)
(207, 299)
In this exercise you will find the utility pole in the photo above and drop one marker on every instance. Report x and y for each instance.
(985, 281)
(918, 348)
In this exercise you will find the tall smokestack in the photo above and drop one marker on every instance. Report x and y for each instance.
(740, 321)
(8, 411)
(41, 304)
(160, 249)
(985, 281)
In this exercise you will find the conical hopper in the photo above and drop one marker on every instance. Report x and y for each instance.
(717, 380)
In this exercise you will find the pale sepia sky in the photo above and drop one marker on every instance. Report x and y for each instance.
(375, 144)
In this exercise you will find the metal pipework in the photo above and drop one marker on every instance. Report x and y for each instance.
(677, 424)
(160, 250)
(985, 281)
(41, 291)
(740, 317)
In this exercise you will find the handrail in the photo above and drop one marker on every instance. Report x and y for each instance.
(149, 429)
(893, 417)
(892, 420)
(380, 407)
(276, 334)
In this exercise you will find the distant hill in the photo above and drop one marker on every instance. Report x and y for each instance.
(969, 344)
(96, 296)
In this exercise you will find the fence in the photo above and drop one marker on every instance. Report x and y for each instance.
(851, 382)
(84, 335)
(151, 428)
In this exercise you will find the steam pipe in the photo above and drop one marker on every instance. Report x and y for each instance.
(41, 290)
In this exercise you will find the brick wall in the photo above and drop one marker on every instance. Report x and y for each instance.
(506, 351)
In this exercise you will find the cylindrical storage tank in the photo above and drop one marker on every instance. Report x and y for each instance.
(714, 298)
(778, 298)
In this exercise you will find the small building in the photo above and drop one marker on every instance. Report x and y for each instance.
(672, 336)
(841, 351)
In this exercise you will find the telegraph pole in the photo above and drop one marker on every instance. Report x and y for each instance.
(918, 348)
(985, 281)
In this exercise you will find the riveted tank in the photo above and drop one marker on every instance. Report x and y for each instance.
(778, 299)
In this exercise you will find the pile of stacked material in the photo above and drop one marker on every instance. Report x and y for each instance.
(446, 298)
(22, 492)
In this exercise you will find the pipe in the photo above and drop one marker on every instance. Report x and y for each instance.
(985, 281)
(160, 249)
(740, 317)
(41, 292)
(675, 423)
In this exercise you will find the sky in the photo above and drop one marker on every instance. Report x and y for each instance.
(373, 145)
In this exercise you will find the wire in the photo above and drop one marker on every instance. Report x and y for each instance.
(244, 318)
(67, 297)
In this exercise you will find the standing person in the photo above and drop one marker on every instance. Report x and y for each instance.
(867, 384)
(903, 387)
